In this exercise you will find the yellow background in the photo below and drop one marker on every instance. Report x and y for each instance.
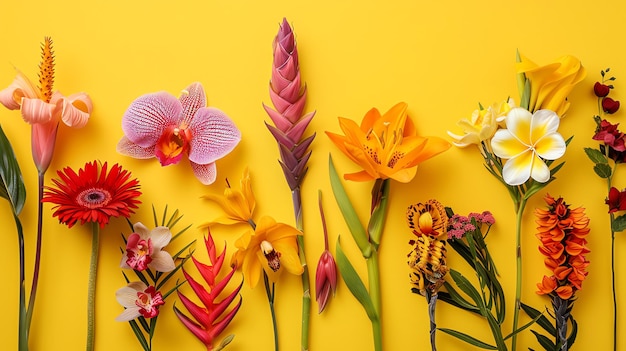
(441, 57)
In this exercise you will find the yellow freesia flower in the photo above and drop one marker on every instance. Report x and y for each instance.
(528, 140)
(482, 125)
(238, 204)
(385, 146)
(271, 247)
(551, 84)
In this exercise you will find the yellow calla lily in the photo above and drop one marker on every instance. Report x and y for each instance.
(552, 83)
(385, 146)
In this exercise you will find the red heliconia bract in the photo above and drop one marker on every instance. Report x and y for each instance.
(211, 318)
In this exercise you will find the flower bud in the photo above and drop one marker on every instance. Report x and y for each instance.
(601, 90)
(609, 105)
(325, 279)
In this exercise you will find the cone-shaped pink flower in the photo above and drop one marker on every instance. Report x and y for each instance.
(44, 109)
(288, 96)
(325, 279)
(211, 318)
(159, 125)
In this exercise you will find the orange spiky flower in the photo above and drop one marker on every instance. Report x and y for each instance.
(46, 69)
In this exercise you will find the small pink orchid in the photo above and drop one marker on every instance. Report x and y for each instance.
(159, 125)
(144, 249)
(43, 109)
(211, 318)
(139, 300)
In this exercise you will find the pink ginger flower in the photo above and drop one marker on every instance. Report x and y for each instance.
(288, 96)
(210, 319)
(44, 109)
(144, 249)
(159, 125)
(139, 300)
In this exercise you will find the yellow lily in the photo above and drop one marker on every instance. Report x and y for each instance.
(271, 247)
(551, 84)
(238, 204)
(482, 125)
(385, 146)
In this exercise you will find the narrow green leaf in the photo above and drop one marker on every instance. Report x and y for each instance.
(603, 170)
(543, 321)
(544, 341)
(527, 325)
(349, 214)
(496, 331)
(354, 283)
(595, 155)
(572, 336)
(140, 337)
(619, 223)
(456, 298)
(468, 339)
(469, 289)
(11, 181)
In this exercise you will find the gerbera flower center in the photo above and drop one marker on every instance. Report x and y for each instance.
(93, 198)
(272, 256)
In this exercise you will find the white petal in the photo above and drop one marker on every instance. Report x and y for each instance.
(129, 314)
(516, 171)
(142, 230)
(160, 236)
(162, 261)
(540, 171)
(551, 146)
(127, 295)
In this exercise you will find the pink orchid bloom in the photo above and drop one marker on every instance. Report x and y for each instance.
(139, 300)
(144, 249)
(159, 125)
(45, 115)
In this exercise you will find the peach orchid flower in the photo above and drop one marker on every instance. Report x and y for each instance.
(43, 109)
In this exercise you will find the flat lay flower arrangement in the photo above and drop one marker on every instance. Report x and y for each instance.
(199, 281)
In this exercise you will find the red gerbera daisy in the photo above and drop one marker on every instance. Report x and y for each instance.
(93, 195)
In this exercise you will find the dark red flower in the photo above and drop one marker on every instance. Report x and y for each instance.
(610, 135)
(616, 200)
(93, 195)
(601, 90)
(609, 105)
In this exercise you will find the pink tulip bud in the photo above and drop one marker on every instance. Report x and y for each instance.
(609, 105)
(325, 279)
(601, 90)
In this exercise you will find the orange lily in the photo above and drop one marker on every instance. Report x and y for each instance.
(385, 146)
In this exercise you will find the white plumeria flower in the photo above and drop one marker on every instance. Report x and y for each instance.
(144, 249)
(526, 142)
(139, 300)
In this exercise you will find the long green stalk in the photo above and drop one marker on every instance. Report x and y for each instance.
(35, 282)
(91, 290)
(270, 291)
(518, 263)
(23, 318)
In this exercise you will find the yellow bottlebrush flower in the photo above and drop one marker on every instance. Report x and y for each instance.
(238, 204)
(385, 146)
(551, 84)
(270, 246)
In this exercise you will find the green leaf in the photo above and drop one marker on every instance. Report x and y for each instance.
(379, 214)
(522, 328)
(619, 223)
(595, 155)
(469, 289)
(354, 283)
(572, 337)
(544, 341)
(543, 321)
(11, 182)
(603, 170)
(140, 337)
(468, 339)
(453, 297)
(349, 214)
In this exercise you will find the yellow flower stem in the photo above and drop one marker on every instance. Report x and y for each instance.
(306, 288)
(518, 255)
(91, 291)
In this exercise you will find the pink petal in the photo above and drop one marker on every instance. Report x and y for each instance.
(38, 111)
(128, 148)
(21, 87)
(214, 136)
(76, 109)
(297, 130)
(149, 115)
(279, 120)
(206, 174)
(196, 329)
(192, 99)
(43, 139)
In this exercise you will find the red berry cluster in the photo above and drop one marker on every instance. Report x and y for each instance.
(602, 90)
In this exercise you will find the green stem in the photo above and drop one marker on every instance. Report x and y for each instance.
(270, 298)
(91, 291)
(518, 281)
(23, 318)
(374, 292)
(306, 287)
(35, 282)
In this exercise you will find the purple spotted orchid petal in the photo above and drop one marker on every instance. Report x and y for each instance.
(214, 136)
(192, 99)
(128, 148)
(148, 116)
(206, 174)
